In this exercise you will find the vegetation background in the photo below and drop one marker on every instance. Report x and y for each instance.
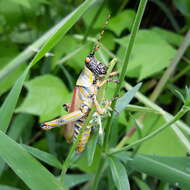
(42, 52)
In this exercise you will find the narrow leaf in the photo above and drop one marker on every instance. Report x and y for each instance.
(5, 187)
(44, 156)
(26, 167)
(119, 174)
(91, 148)
(18, 125)
(169, 169)
(123, 101)
(141, 184)
(73, 180)
(10, 102)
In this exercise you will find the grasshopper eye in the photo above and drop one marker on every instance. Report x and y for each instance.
(87, 60)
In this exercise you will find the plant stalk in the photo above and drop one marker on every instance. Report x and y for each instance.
(180, 114)
(183, 71)
(125, 63)
(166, 76)
(98, 175)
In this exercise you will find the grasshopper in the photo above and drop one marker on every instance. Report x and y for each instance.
(84, 97)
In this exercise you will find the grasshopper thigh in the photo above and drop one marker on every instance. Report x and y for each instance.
(70, 117)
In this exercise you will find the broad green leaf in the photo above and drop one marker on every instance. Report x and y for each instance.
(82, 163)
(91, 147)
(9, 104)
(171, 37)
(159, 145)
(19, 124)
(44, 156)
(123, 101)
(68, 45)
(141, 184)
(51, 142)
(108, 41)
(25, 166)
(122, 21)
(46, 95)
(102, 15)
(119, 174)
(183, 6)
(151, 54)
(5, 187)
(169, 169)
(72, 180)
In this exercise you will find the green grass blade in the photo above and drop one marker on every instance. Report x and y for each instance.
(26, 167)
(125, 62)
(119, 174)
(123, 101)
(74, 179)
(10, 102)
(61, 30)
(91, 148)
(20, 123)
(43, 156)
(141, 184)
(169, 169)
(127, 52)
(5, 187)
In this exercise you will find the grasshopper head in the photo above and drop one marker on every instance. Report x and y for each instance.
(94, 65)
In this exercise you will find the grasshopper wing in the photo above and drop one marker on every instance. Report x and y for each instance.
(68, 130)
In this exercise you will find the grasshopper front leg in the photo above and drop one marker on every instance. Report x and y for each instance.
(100, 110)
(110, 79)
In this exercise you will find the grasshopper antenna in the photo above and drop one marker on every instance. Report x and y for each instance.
(97, 44)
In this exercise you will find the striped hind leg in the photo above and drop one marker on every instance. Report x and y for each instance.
(71, 117)
(84, 136)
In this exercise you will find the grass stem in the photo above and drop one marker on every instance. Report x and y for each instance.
(180, 114)
(125, 62)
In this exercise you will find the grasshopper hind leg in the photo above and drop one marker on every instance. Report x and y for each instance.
(70, 117)
(83, 139)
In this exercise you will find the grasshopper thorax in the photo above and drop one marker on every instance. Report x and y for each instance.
(94, 65)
